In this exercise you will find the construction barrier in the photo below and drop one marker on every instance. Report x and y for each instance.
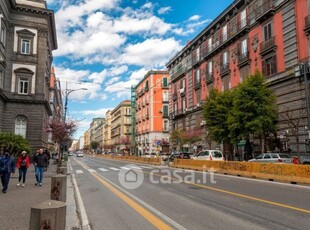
(271, 171)
(134, 159)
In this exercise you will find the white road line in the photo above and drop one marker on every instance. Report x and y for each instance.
(145, 167)
(135, 167)
(115, 169)
(79, 171)
(92, 170)
(126, 168)
(103, 169)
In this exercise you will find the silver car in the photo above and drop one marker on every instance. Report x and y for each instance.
(272, 157)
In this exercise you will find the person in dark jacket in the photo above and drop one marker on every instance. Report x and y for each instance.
(40, 161)
(7, 166)
(22, 164)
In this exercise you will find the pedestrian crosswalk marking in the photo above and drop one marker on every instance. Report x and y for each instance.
(115, 169)
(92, 170)
(78, 171)
(103, 169)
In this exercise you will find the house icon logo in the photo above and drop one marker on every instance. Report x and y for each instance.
(130, 176)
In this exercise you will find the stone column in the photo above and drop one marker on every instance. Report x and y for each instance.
(59, 187)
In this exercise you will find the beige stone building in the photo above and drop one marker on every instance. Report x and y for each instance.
(121, 127)
(107, 132)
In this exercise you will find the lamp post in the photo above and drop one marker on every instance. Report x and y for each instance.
(66, 94)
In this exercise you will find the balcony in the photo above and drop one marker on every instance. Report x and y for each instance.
(225, 69)
(260, 9)
(307, 24)
(209, 78)
(195, 59)
(182, 92)
(179, 72)
(267, 46)
(243, 59)
(164, 86)
(165, 100)
(147, 116)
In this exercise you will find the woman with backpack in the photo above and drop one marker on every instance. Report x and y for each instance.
(23, 163)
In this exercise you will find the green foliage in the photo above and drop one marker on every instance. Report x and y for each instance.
(254, 109)
(94, 144)
(249, 109)
(216, 113)
(14, 143)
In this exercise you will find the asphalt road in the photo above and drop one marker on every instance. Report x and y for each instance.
(184, 199)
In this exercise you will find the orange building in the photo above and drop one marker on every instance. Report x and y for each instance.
(271, 36)
(152, 113)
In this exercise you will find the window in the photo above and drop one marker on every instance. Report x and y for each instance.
(165, 82)
(25, 46)
(197, 77)
(3, 34)
(128, 120)
(23, 84)
(225, 58)
(243, 18)
(1, 79)
(165, 96)
(244, 47)
(269, 66)
(225, 33)
(182, 84)
(128, 111)
(198, 54)
(210, 68)
(146, 85)
(183, 104)
(166, 125)
(165, 109)
(175, 107)
(268, 31)
(210, 44)
(21, 126)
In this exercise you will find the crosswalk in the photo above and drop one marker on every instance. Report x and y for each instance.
(108, 169)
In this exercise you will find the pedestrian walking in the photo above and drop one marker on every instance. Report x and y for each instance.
(7, 166)
(22, 164)
(40, 161)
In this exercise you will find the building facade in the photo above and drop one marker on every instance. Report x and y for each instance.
(270, 36)
(95, 130)
(107, 132)
(152, 113)
(27, 39)
(86, 140)
(121, 127)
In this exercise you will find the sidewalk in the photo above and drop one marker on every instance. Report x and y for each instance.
(15, 205)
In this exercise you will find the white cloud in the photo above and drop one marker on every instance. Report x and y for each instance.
(148, 5)
(164, 10)
(151, 52)
(96, 113)
(190, 27)
(194, 18)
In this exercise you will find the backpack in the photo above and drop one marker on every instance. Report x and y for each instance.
(23, 163)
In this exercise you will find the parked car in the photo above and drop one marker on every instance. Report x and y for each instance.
(70, 154)
(305, 160)
(210, 155)
(272, 157)
(178, 155)
(80, 154)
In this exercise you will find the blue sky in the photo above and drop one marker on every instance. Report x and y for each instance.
(107, 46)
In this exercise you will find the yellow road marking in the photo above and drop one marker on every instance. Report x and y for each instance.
(159, 224)
(237, 194)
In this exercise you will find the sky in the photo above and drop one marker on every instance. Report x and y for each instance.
(107, 46)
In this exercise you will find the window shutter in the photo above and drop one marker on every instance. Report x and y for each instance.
(165, 81)
(264, 68)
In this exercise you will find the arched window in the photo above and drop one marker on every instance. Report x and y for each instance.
(21, 126)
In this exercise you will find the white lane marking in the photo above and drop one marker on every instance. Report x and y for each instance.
(92, 170)
(126, 168)
(115, 169)
(79, 171)
(103, 169)
(145, 167)
(135, 167)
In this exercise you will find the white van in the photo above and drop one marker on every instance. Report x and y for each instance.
(209, 155)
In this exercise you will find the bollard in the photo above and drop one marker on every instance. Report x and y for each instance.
(50, 214)
(59, 187)
(62, 170)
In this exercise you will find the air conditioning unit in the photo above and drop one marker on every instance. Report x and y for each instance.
(202, 123)
(182, 90)
(199, 104)
(161, 111)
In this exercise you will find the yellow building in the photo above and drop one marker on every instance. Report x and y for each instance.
(121, 127)
(86, 140)
(107, 132)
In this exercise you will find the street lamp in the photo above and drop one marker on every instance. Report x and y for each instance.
(66, 94)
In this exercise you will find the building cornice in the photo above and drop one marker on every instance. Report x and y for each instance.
(150, 73)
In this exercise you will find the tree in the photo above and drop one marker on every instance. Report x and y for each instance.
(14, 143)
(254, 110)
(216, 113)
(94, 144)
